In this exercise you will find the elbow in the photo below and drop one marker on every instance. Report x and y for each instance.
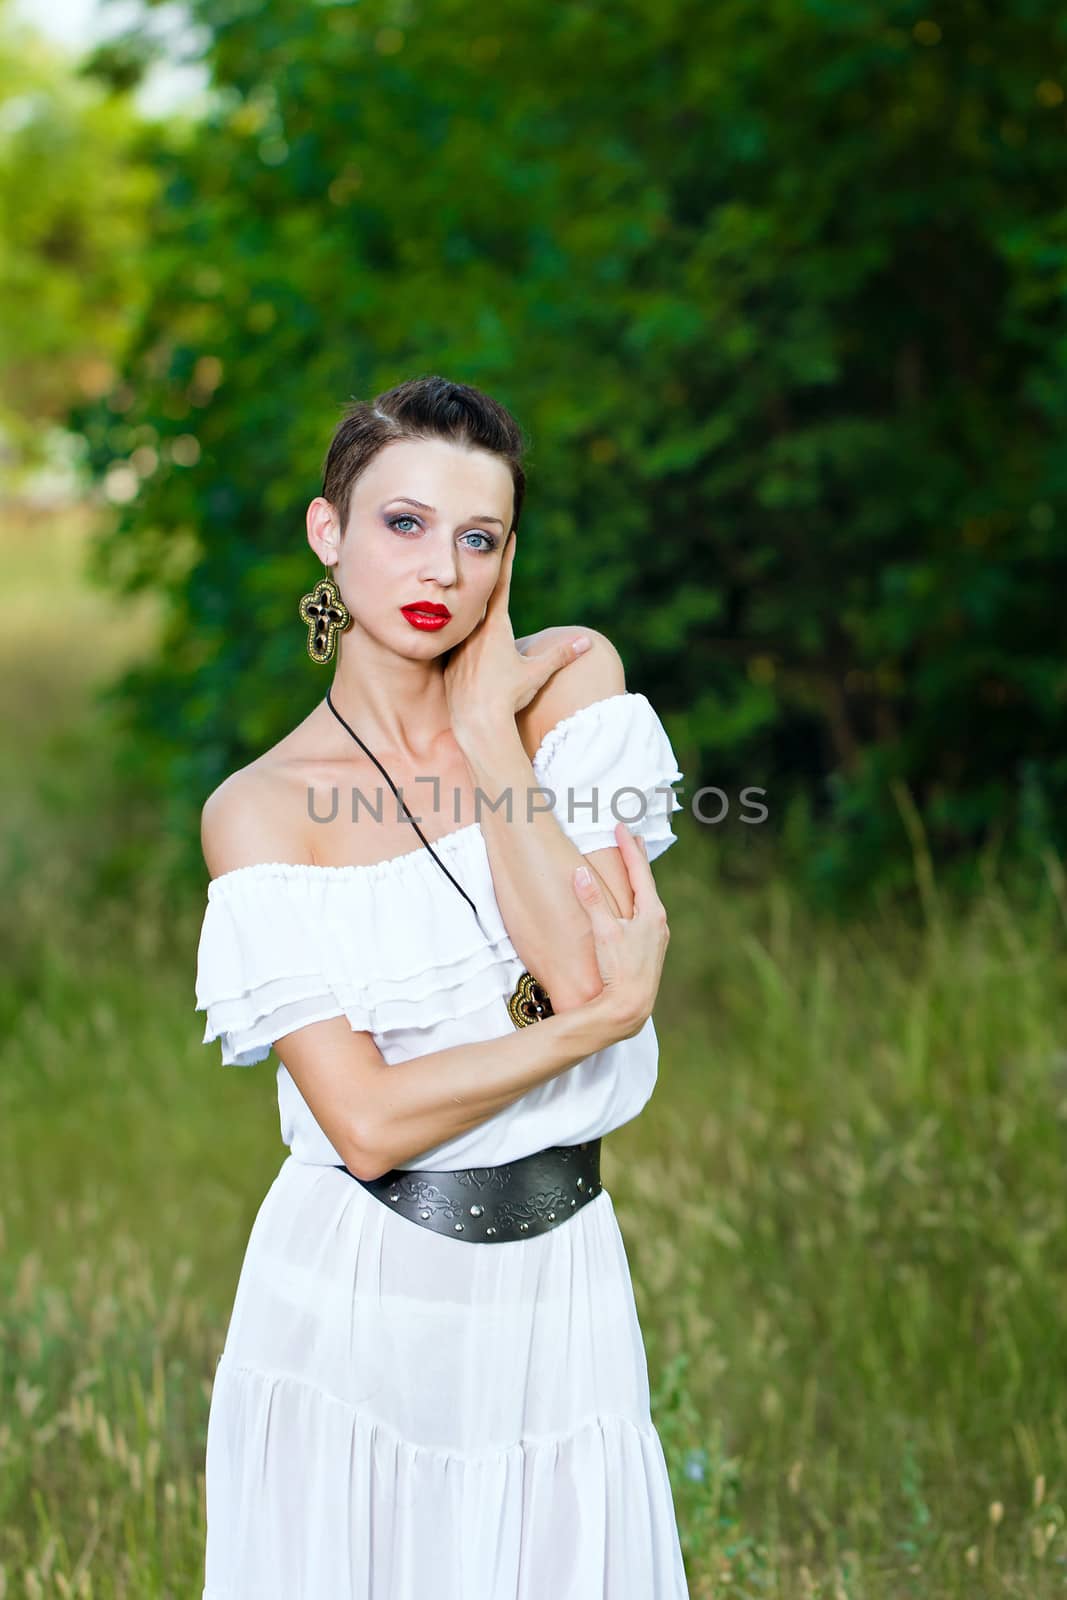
(578, 980)
(572, 992)
(364, 1155)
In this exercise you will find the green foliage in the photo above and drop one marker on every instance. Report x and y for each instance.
(782, 308)
(75, 182)
(851, 1289)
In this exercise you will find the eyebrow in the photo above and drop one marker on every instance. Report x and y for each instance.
(407, 500)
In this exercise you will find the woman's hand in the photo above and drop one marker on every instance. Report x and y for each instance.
(629, 950)
(487, 678)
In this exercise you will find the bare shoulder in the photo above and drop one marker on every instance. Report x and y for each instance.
(595, 675)
(253, 816)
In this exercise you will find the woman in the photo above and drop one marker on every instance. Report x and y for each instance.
(433, 1381)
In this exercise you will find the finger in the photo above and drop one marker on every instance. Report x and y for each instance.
(634, 854)
(587, 888)
(501, 594)
(547, 663)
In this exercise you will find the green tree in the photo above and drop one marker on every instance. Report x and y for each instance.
(75, 184)
(780, 301)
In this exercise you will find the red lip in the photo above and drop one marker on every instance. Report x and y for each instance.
(427, 619)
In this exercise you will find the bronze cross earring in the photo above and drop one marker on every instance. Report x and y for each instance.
(326, 616)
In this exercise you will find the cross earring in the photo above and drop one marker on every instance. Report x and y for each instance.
(326, 616)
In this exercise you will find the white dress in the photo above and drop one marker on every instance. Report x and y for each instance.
(398, 1415)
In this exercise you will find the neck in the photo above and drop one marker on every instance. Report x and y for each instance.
(394, 702)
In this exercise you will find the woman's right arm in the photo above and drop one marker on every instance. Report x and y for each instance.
(378, 1116)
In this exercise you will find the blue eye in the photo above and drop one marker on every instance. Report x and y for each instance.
(489, 545)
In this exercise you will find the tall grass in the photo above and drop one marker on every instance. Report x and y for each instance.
(843, 1208)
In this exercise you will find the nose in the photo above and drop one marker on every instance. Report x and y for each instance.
(438, 562)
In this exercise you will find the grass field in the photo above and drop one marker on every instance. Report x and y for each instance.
(844, 1207)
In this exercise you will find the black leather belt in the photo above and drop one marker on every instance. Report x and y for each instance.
(495, 1205)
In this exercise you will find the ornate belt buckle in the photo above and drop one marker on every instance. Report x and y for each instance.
(529, 1003)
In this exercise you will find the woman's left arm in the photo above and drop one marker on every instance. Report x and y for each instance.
(488, 681)
(531, 858)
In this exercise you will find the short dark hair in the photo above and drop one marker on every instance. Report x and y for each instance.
(421, 408)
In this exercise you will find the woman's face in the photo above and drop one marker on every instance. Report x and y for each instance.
(443, 552)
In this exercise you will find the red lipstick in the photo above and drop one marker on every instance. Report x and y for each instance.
(430, 618)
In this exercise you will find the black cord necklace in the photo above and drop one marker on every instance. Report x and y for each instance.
(400, 797)
(530, 1001)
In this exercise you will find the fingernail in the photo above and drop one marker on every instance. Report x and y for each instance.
(579, 645)
(583, 877)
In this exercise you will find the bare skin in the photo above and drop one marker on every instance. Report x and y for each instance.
(424, 717)
(389, 683)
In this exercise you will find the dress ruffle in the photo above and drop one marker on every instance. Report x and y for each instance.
(601, 1489)
(285, 944)
(615, 753)
(396, 1414)
(391, 945)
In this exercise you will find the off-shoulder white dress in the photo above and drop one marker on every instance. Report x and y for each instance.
(398, 1415)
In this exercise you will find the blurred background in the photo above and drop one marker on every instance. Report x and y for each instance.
(779, 296)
